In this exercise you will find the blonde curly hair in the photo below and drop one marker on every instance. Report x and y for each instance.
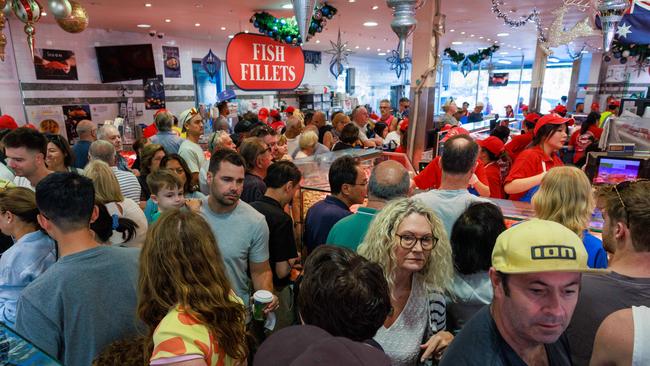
(379, 244)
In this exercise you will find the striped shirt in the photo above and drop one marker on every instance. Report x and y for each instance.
(128, 184)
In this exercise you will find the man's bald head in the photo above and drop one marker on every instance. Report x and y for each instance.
(459, 156)
(86, 130)
(318, 119)
(389, 180)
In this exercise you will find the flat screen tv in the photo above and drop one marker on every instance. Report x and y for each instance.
(122, 63)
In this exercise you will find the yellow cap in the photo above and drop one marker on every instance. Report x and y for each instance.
(540, 246)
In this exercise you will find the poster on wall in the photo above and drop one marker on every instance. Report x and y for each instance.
(154, 93)
(499, 79)
(73, 114)
(55, 65)
(172, 62)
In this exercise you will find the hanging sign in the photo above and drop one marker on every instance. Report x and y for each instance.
(257, 62)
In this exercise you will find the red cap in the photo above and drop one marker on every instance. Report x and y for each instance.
(532, 117)
(559, 109)
(277, 125)
(161, 110)
(493, 144)
(453, 131)
(616, 103)
(290, 109)
(29, 125)
(552, 119)
(275, 113)
(404, 125)
(8, 122)
(150, 130)
(263, 112)
(595, 107)
(524, 107)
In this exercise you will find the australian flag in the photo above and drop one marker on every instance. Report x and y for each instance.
(635, 25)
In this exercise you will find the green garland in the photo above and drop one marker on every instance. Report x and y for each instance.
(459, 57)
(626, 50)
(286, 29)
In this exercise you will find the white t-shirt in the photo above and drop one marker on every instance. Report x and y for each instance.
(641, 318)
(193, 155)
(23, 182)
(130, 210)
(5, 173)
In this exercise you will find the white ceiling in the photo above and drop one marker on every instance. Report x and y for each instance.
(469, 16)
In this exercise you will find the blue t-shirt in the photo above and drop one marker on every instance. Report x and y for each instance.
(80, 150)
(597, 254)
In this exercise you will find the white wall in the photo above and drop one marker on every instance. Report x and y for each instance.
(371, 72)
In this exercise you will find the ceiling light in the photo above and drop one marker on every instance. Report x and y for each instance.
(147, 5)
(462, 32)
(144, 26)
(356, 47)
(223, 28)
(43, 14)
(481, 37)
(287, 6)
(381, 54)
(351, 1)
(318, 41)
(370, 24)
(545, 28)
(457, 42)
(503, 53)
(553, 60)
(367, 48)
(231, 36)
(489, 39)
(471, 35)
(503, 34)
(168, 20)
(375, 7)
(378, 49)
(584, 51)
(197, 24)
(246, 31)
(452, 30)
(505, 62)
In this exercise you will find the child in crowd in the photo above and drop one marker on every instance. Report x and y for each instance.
(185, 299)
(166, 191)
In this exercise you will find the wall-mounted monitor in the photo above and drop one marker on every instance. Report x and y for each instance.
(123, 63)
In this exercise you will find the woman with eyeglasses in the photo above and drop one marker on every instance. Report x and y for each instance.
(59, 157)
(410, 244)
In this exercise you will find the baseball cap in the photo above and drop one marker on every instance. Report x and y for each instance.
(615, 103)
(453, 131)
(552, 119)
(524, 108)
(559, 109)
(8, 122)
(275, 113)
(263, 113)
(480, 104)
(186, 115)
(540, 246)
(532, 117)
(307, 345)
(290, 109)
(493, 144)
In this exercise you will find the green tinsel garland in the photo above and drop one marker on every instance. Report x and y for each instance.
(458, 57)
(623, 51)
(286, 29)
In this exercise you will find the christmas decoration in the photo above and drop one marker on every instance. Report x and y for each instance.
(577, 55)
(466, 67)
(557, 36)
(339, 56)
(467, 63)
(286, 30)
(28, 12)
(3, 38)
(403, 23)
(60, 8)
(533, 17)
(397, 63)
(610, 13)
(211, 64)
(77, 21)
(304, 10)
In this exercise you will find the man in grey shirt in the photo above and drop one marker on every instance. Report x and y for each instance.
(241, 231)
(458, 164)
(87, 299)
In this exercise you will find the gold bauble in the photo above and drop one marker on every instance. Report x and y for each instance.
(77, 21)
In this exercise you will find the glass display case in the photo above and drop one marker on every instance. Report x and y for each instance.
(315, 170)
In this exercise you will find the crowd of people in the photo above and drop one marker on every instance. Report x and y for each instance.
(160, 261)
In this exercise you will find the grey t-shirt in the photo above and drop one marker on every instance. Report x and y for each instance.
(81, 304)
(601, 295)
(242, 236)
(448, 204)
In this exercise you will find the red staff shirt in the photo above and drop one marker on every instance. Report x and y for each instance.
(531, 162)
(493, 173)
(518, 144)
(431, 176)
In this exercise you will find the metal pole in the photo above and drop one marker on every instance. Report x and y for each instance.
(521, 74)
(478, 82)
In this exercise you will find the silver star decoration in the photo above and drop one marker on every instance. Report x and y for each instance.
(623, 30)
(339, 54)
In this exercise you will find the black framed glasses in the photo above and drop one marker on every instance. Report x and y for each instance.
(621, 186)
(408, 241)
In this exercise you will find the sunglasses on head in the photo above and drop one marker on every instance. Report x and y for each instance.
(621, 187)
